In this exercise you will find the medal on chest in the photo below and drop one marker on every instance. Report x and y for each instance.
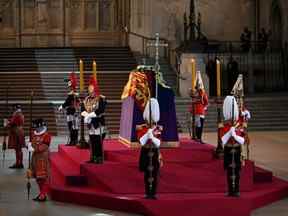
(91, 104)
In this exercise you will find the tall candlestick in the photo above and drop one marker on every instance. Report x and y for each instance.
(193, 65)
(94, 69)
(218, 71)
(81, 65)
(193, 79)
(219, 148)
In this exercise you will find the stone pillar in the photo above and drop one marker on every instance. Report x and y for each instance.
(42, 23)
(66, 26)
(82, 15)
(18, 22)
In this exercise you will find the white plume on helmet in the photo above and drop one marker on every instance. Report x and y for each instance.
(199, 81)
(238, 88)
(155, 111)
(227, 108)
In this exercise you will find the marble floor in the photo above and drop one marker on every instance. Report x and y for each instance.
(268, 149)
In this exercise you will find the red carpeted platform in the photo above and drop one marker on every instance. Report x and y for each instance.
(191, 182)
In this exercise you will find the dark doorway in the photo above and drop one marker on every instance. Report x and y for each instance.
(276, 25)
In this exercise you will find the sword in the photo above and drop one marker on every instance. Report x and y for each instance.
(29, 153)
(233, 152)
(150, 153)
(4, 145)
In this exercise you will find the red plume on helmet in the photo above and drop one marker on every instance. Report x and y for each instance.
(94, 83)
(72, 81)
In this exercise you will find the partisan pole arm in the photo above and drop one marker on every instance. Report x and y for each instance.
(29, 153)
(4, 145)
(232, 119)
(238, 92)
(31, 126)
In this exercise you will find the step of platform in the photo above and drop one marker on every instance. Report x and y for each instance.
(118, 185)
(67, 171)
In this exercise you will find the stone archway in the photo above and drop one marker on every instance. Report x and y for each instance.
(276, 23)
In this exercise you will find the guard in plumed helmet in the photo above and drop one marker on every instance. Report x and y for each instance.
(93, 111)
(149, 137)
(233, 140)
(16, 139)
(200, 103)
(71, 105)
(39, 147)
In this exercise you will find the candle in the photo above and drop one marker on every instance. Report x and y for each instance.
(95, 69)
(218, 71)
(193, 65)
(81, 75)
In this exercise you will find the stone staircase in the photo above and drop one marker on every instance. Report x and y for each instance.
(65, 59)
(43, 71)
(268, 112)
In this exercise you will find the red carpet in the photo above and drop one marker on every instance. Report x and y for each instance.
(191, 182)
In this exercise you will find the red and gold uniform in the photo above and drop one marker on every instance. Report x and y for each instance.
(200, 105)
(233, 140)
(149, 162)
(149, 138)
(198, 108)
(16, 138)
(93, 111)
(40, 142)
(72, 105)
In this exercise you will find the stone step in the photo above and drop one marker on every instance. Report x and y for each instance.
(264, 114)
(51, 87)
(66, 59)
(47, 86)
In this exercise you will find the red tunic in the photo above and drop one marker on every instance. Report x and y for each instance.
(40, 157)
(226, 128)
(141, 130)
(200, 106)
(16, 132)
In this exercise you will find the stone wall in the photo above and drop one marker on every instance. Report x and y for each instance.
(99, 22)
(53, 23)
(221, 19)
(266, 16)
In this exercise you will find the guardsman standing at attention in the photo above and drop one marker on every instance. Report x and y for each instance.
(93, 111)
(200, 103)
(16, 139)
(71, 105)
(39, 146)
(149, 136)
(232, 139)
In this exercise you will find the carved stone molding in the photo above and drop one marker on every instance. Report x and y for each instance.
(65, 22)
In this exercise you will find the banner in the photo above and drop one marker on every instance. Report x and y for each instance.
(138, 88)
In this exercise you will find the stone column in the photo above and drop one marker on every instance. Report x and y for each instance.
(65, 21)
(82, 6)
(18, 22)
(42, 22)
